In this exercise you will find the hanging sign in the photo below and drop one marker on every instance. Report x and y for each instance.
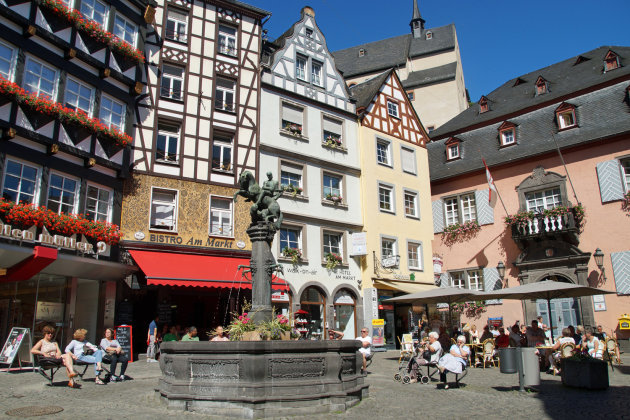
(280, 297)
(359, 243)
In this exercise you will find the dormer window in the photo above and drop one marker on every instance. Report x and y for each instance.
(542, 86)
(565, 115)
(507, 134)
(453, 149)
(483, 105)
(429, 35)
(611, 61)
(309, 33)
(518, 81)
(361, 52)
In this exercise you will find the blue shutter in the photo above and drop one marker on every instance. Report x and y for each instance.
(610, 182)
(438, 216)
(621, 271)
(485, 213)
(491, 281)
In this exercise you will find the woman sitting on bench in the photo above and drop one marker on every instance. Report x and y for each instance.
(455, 361)
(48, 349)
(77, 350)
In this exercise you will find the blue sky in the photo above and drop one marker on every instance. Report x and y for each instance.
(499, 39)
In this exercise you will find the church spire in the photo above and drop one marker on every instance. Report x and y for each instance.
(417, 23)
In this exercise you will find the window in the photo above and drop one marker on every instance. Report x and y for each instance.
(332, 243)
(40, 78)
(62, 194)
(410, 95)
(475, 280)
(332, 132)
(411, 204)
(177, 26)
(112, 113)
(392, 108)
(220, 216)
(164, 210)
(95, 10)
(292, 118)
(625, 165)
(224, 97)
(78, 96)
(361, 52)
(611, 61)
(429, 35)
(383, 152)
(98, 204)
(300, 67)
(483, 105)
(542, 86)
(414, 255)
(566, 116)
(227, 40)
(172, 82)
(290, 238)
(125, 30)
(458, 280)
(309, 33)
(332, 187)
(385, 198)
(20, 182)
(167, 143)
(408, 160)
(388, 248)
(7, 61)
(468, 279)
(453, 151)
(508, 137)
(222, 154)
(545, 199)
(316, 73)
(460, 209)
(291, 177)
(431, 128)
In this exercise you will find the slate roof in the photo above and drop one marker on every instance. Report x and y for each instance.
(364, 92)
(600, 114)
(393, 52)
(432, 75)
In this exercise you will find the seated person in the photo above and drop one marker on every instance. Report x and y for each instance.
(49, 349)
(76, 350)
(535, 335)
(456, 360)
(486, 334)
(600, 334)
(502, 340)
(366, 347)
(554, 358)
(115, 354)
(191, 335)
(171, 335)
(219, 334)
(515, 336)
(434, 349)
(334, 335)
(593, 345)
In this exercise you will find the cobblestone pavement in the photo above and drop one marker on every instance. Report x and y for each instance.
(486, 393)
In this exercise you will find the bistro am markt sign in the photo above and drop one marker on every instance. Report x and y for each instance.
(209, 242)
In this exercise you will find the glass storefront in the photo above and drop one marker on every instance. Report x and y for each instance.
(345, 310)
(314, 302)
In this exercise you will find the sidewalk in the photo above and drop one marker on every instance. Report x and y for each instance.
(486, 393)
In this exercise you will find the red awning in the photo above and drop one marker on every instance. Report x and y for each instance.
(173, 269)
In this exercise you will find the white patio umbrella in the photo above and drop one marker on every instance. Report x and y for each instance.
(546, 290)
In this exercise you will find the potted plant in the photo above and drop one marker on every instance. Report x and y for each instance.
(279, 328)
(242, 327)
(583, 371)
(294, 253)
(335, 198)
(332, 260)
(333, 141)
(293, 128)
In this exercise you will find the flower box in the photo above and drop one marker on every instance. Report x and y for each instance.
(460, 232)
(295, 254)
(251, 336)
(587, 374)
(334, 198)
(332, 260)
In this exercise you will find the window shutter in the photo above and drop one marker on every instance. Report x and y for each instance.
(408, 160)
(491, 281)
(438, 216)
(292, 113)
(332, 126)
(610, 183)
(445, 280)
(485, 213)
(621, 271)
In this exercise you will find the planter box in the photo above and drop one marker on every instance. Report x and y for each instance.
(588, 375)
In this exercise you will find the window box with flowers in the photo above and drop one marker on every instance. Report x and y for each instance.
(470, 309)
(54, 109)
(332, 260)
(295, 254)
(293, 190)
(292, 128)
(625, 204)
(554, 219)
(333, 141)
(460, 232)
(335, 198)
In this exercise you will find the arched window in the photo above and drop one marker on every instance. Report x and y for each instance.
(313, 301)
(345, 313)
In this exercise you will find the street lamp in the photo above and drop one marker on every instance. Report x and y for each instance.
(599, 260)
(501, 271)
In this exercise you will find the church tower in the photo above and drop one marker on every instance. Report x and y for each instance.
(417, 23)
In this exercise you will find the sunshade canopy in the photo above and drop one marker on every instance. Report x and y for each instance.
(439, 295)
(547, 290)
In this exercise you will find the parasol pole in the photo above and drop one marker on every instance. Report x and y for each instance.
(550, 317)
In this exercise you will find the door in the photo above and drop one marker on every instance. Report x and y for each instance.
(564, 312)
(390, 330)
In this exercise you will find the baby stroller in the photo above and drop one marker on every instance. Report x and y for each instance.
(410, 367)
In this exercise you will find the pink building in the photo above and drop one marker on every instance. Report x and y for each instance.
(580, 106)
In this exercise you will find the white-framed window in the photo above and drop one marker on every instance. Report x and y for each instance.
(292, 118)
(392, 108)
(475, 280)
(40, 78)
(389, 248)
(429, 35)
(544, 199)
(467, 279)
(458, 279)
(224, 94)
(386, 198)
(384, 152)
(453, 151)
(414, 255)
(408, 160)
(333, 129)
(331, 186)
(300, 67)
(291, 176)
(227, 40)
(172, 82)
(290, 237)
(222, 153)
(79, 96)
(95, 10)
(625, 166)
(62, 194)
(7, 61)
(167, 145)
(163, 210)
(316, 73)
(411, 203)
(460, 209)
(21, 182)
(332, 243)
(508, 137)
(177, 26)
(221, 216)
(566, 119)
(112, 113)
(98, 204)
(125, 30)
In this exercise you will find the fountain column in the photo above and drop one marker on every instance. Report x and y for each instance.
(262, 265)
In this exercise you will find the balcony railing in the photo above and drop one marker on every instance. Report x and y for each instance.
(540, 227)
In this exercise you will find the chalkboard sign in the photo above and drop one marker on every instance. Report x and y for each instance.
(125, 337)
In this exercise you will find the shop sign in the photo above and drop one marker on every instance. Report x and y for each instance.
(378, 332)
(45, 238)
(279, 297)
(599, 303)
(386, 307)
(192, 241)
(359, 243)
(49, 311)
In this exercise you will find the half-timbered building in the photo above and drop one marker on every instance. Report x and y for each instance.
(397, 219)
(68, 84)
(196, 133)
(308, 142)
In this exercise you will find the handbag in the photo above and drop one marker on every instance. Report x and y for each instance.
(87, 350)
(426, 355)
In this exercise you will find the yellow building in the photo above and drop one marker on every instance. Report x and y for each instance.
(398, 222)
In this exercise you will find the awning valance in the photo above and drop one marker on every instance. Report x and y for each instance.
(407, 287)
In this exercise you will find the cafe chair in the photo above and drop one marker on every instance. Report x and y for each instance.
(406, 350)
(487, 353)
(612, 348)
(566, 350)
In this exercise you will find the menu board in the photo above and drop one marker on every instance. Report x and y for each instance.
(125, 337)
(12, 345)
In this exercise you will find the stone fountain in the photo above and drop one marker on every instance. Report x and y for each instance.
(258, 379)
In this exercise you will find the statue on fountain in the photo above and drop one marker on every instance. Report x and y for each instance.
(265, 207)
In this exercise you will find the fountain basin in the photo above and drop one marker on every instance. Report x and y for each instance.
(258, 379)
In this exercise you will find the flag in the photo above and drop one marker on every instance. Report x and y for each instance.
(492, 194)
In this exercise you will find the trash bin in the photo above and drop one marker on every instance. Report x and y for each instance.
(529, 367)
(507, 358)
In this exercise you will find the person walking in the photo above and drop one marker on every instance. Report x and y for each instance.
(151, 340)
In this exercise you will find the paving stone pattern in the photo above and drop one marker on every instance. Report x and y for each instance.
(486, 393)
